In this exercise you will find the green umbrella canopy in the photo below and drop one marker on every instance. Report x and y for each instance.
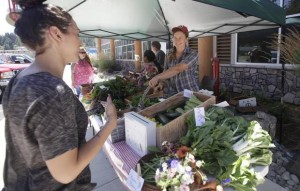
(264, 9)
(153, 19)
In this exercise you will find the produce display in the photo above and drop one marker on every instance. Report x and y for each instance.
(118, 88)
(172, 113)
(229, 146)
(135, 100)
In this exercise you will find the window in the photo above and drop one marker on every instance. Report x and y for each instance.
(254, 46)
(124, 49)
(106, 49)
(146, 45)
(276, 2)
(291, 6)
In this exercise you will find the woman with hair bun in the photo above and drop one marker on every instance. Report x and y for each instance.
(45, 123)
(150, 69)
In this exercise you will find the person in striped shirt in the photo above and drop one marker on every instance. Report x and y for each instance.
(181, 69)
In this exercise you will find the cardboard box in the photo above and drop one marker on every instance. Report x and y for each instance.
(140, 132)
(176, 128)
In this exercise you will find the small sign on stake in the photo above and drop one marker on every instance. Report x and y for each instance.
(199, 116)
(134, 181)
(187, 93)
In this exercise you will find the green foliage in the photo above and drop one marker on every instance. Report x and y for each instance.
(105, 65)
(9, 41)
(88, 42)
(229, 146)
(118, 88)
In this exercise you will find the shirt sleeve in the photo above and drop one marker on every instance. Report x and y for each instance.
(161, 58)
(191, 59)
(56, 131)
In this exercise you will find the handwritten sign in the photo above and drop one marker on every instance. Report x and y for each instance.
(134, 181)
(187, 93)
(199, 116)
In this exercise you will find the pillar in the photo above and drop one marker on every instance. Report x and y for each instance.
(138, 55)
(98, 47)
(112, 49)
(205, 52)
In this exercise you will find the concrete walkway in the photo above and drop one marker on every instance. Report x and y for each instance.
(103, 173)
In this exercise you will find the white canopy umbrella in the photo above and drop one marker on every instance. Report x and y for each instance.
(154, 19)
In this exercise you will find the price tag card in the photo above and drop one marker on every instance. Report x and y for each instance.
(134, 181)
(199, 116)
(187, 93)
(161, 99)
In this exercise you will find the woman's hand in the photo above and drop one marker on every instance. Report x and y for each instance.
(110, 109)
(158, 88)
(153, 82)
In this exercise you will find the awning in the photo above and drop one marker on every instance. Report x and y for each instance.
(153, 19)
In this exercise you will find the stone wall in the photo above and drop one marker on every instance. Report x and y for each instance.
(260, 80)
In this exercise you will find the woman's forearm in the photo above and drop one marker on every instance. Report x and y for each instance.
(66, 167)
(91, 148)
(171, 72)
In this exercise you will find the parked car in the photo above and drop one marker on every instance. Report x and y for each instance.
(7, 71)
(11, 58)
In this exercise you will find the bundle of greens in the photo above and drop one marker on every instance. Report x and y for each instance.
(230, 146)
(241, 175)
(118, 88)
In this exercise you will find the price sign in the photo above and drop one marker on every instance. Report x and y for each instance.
(134, 181)
(187, 93)
(199, 116)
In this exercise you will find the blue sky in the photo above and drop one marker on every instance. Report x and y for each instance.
(4, 26)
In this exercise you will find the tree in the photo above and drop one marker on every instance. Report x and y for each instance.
(8, 44)
(9, 40)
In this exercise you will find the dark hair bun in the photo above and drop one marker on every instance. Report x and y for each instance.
(24, 4)
(150, 55)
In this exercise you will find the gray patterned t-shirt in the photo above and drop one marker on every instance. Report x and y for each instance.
(43, 119)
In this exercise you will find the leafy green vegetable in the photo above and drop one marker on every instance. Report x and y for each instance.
(242, 176)
(230, 146)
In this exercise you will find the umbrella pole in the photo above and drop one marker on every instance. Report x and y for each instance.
(282, 89)
(282, 94)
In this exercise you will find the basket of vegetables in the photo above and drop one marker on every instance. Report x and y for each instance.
(149, 163)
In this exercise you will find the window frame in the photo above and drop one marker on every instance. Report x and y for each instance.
(278, 64)
(123, 44)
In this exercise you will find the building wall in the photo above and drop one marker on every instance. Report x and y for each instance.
(260, 81)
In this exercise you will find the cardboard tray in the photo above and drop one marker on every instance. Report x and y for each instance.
(176, 128)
